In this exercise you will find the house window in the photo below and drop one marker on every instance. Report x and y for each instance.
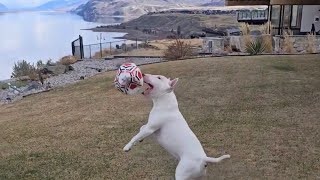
(286, 16)
(275, 18)
(294, 16)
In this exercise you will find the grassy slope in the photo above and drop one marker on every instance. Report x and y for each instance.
(262, 110)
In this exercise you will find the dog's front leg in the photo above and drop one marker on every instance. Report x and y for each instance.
(144, 132)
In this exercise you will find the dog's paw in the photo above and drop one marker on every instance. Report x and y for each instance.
(127, 148)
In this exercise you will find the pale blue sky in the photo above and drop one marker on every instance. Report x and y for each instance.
(22, 3)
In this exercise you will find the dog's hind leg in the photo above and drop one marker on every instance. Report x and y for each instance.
(185, 170)
(142, 127)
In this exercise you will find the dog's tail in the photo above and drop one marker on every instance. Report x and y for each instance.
(216, 160)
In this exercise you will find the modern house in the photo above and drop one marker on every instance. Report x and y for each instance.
(301, 16)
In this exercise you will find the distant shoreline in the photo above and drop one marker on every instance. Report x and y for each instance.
(131, 34)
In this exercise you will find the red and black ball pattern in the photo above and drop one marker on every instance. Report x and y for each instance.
(128, 78)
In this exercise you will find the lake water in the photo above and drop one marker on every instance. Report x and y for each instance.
(32, 36)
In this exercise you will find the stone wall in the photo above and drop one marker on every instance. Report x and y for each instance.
(299, 43)
(237, 43)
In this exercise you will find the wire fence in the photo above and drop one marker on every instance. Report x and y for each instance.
(102, 49)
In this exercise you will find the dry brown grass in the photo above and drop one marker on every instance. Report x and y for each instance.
(245, 28)
(267, 41)
(144, 52)
(247, 39)
(228, 49)
(263, 110)
(67, 60)
(311, 43)
(164, 44)
(105, 53)
(288, 42)
(267, 36)
(266, 28)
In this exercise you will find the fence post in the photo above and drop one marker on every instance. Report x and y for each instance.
(100, 49)
(110, 48)
(137, 43)
(125, 46)
(81, 47)
(73, 48)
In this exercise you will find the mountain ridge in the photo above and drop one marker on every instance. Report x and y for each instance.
(94, 10)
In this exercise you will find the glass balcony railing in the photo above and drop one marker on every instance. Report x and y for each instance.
(252, 15)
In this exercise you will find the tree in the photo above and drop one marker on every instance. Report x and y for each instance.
(178, 50)
(179, 31)
(40, 64)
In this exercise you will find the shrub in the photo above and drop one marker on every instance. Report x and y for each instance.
(40, 64)
(228, 49)
(267, 36)
(288, 42)
(311, 43)
(255, 47)
(267, 41)
(245, 29)
(23, 68)
(67, 60)
(178, 50)
(266, 28)
(50, 63)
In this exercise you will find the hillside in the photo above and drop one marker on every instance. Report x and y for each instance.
(165, 23)
(3, 7)
(190, 22)
(97, 9)
(262, 110)
(61, 4)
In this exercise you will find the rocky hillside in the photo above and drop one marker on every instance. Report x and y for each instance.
(2, 7)
(97, 9)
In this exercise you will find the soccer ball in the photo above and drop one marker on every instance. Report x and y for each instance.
(129, 79)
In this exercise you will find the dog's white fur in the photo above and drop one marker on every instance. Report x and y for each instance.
(167, 125)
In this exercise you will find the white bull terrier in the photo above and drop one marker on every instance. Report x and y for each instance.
(167, 125)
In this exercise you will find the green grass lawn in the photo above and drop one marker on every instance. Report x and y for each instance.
(262, 110)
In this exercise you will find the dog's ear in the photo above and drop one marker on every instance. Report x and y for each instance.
(173, 83)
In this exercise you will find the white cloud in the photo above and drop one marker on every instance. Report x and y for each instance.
(22, 3)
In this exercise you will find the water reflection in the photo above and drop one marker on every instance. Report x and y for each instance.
(43, 35)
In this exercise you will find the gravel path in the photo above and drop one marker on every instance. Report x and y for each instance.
(82, 69)
(89, 68)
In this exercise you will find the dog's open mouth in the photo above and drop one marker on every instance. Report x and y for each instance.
(147, 88)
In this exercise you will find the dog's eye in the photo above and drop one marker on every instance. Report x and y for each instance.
(159, 77)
